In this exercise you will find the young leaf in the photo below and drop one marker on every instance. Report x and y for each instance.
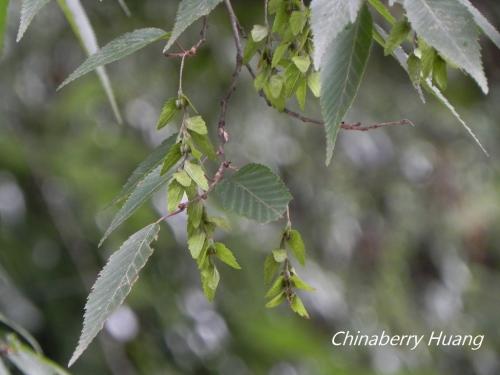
(276, 288)
(250, 50)
(254, 192)
(298, 20)
(302, 63)
(195, 213)
(144, 189)
(210, 280)
(343, 68)
(29, 10)
(114, 284)
(259, 33)
(183, 178)
(398, 35)
(168, 111)
(197, 125)
(196, 173)
(226, 255)
(175, 192)
(270, 268)
(292, 77)
(428, 55)
(276, 301)
(483, 23)
(171, 158)
(29, 362)
(297, 245)
(313, 81)
(279, 52)
(145, 167)
(80, 23)
(301, 93)
(299, 307)
(301, 284)
(279, 255)
(195, 243)
(116, 50)
(188, 12)
(220, 222)
(414, 69)
(275, 85)
(439, 73)
(448, 26)
(205, 145)
(4, 6)
(328, 19)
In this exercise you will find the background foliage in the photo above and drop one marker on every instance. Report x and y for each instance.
(401, 228)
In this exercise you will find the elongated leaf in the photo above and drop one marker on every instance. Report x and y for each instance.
(297, 245)
(328, 19)
(483, 23)
(29, 362)
(114, 284)
(143, 191)
(146, 166)
(20, 331)
(254, 192)
(4, 6)
(226, 255)
(29, 10)
(116, 50)
(448, 26)
(341, 75)
(79, 21)
(189, 11)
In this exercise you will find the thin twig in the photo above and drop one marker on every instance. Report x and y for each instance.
(194, 49)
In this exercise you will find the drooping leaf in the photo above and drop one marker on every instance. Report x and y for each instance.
(226, 255)
(183, 178)
(341, 74)
(302, 63)
(168, 111)
(276, 301)
(142, 192)
(197, 125)
(29, 10)
(483, 23)
(4, 6)
(116, 50)
(299, 307)
(297, 245)
(279, 52)
(195, 213)
(209, 280)
(259, 33)
(80, 23)
(276, 288)
(448, 26)
(175, 192)
(203, 143)
(328, 19)
(254, 192)
(146, 166)
(279, 255)
(189, 11)
(30, 362)
(301, 284)
(398, 35)
(172, 157)
(270, 268)
(298, 20)
(439, 73)
(195, 171)
(313, 81)
(114, 284)
(195, 243)
(301, 93)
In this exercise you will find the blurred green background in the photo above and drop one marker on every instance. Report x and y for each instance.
(402, 230)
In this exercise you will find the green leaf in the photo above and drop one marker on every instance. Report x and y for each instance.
(328, 19)
(313, 81)
(250, 50)
(280, 23)
(143, 191)
(276, 288)
(226, 255)
(116, 50)
(183, 178)
(145, 167)
(270, 268)
(275, 85)
(220, 222)
(189, 11)
(298, 20)
(196, 242)
(276, 301)
(295, 242)
(301, 93)
(20, 331)
(205, 145)
(195, 213)
(414, 69)
(341, 75)
(439, 73)
(80, 23)
(259, 33)
(279, 52)
(292, 77)
(428, 54)
(279, 255)
(168, 111)
(197, 125)
(383, 11)
(448, 26)
(301, 284)
(4, 7)
(175, 192)
(302, 63)
(171, 158)
(254, 192)
(114, 284)
(398, 35)
(483, 23)
(29, 362)
(29, 10)
(210, 280)
(299, 307)
(195, 171)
